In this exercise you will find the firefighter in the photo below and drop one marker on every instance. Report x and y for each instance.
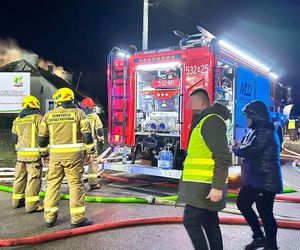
(88, 106)
(28, 174)
(292, 129)
(68, 133)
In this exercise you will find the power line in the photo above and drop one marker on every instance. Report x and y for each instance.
(183, 15)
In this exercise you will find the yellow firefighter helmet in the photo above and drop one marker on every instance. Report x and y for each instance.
(63, 95)
(30, 101)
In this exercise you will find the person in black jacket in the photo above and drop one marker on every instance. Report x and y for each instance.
(260, 150)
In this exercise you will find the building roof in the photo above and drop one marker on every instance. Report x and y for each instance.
(19, 66)
(56, 81)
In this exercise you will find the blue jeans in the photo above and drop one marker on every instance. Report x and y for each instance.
(195, 220)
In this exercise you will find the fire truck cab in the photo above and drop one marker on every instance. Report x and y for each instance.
(148, 93)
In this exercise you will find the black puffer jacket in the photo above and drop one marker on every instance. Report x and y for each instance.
(260, 151)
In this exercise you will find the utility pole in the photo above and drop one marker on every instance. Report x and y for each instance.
(145, 25)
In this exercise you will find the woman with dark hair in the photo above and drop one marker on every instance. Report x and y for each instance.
(260, 153)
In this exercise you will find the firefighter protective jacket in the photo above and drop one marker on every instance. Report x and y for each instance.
(25, 131)
(67, 132)
(96, 126)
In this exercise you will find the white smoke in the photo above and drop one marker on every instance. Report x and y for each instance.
(11, 52)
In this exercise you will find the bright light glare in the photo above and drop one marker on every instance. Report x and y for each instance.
(121, 54)
(273, 75)
(159, 66)
(236, 51)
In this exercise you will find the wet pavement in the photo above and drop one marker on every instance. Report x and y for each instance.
(15, 223)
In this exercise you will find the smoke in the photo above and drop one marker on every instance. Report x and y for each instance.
(11, 52)
(49, 65)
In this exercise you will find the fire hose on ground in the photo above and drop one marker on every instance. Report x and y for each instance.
(37, 239)
(145, 200)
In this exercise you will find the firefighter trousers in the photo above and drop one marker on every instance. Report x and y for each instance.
(92, 171)
(73, 170)
(27, 185)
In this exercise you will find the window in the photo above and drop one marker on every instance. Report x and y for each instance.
(49, 105)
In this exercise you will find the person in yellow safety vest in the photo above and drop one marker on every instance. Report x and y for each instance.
(67, 133)
(292, 129)
(88, 105)
(205, 171)
(28, 173)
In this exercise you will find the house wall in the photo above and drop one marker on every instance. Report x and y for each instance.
(41, 89)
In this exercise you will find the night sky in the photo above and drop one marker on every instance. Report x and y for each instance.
(79, 34)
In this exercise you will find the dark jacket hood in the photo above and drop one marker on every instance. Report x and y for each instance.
(28, 111)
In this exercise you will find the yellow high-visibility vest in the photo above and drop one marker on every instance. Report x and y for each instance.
(292, 124)
(199, 164)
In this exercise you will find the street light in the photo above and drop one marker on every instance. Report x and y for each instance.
(145, 25)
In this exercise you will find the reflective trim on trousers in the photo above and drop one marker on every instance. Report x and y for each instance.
(18, 196)
(77, 210)
(32, 199)
(51, 209)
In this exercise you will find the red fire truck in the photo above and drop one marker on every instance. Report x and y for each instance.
(148, 93)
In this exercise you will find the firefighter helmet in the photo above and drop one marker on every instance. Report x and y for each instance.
(87, 102)
(30, 101)
(63, 95)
